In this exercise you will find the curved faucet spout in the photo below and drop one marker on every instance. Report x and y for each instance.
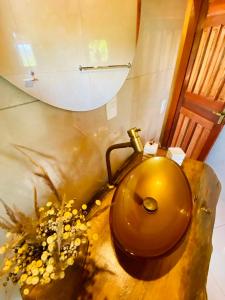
(135, 143)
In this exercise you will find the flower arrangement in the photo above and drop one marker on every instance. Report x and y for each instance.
(39, 249)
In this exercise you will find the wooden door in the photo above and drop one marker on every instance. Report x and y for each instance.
(199, 117)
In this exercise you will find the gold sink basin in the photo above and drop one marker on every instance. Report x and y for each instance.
(151, 208)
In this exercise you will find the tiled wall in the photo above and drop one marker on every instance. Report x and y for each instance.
(78, 141)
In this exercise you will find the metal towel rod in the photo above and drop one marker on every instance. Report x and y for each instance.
(81, 68)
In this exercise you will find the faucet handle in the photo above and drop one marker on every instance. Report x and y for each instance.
(135, 139)
(133, 132)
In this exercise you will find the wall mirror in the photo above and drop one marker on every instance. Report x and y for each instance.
(73, 54)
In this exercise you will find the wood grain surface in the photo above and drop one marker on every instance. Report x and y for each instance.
(109, 274)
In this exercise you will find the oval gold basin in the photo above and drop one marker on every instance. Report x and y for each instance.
(151, 208)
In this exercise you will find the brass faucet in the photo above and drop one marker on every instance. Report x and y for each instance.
(135, 143)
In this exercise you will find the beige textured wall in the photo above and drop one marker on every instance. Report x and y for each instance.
(78, 141)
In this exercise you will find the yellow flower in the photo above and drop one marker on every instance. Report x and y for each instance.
(53, 276)
(70, 261)
(49, 204)
(47, 280)
(20, 250)
(50, 239)
(41, 270)
(98, 202)
(66, 235)
(67, 227)
(35, 280)
(45, 275)
(44, 256)
(71, 201)
(51, 212)
(39, 263)
(2, 249)
(77, 242)
(41, 209)
(67, 215)
(62, 257)
(29, 280)
(51, 247)
(83, 227)
(16, 270)
(44, 244)
(8, 263)
(75, 211)
(26, 291)
(62, 275)
(20, 283)
(33, 263)
(49, 268)
(35, 271)
(23, 277)
(84, 206)
(28, 268)
(25, 247)
(51, 261)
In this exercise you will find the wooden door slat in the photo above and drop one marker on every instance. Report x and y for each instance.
(189, 133)
(214, 65)
(218, 81)
(222, 95)
(198, 60)
(207, 57)
(182, 131)
(194, 140)
(200, 143)
(178, 127)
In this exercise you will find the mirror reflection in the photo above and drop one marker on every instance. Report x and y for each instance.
(74, 54)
